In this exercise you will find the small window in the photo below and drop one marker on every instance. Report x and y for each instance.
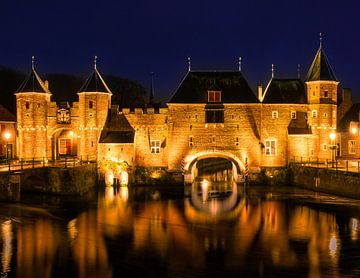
(314, 113)
(214, 96)
(313, 94)
(270, 147)
(326, 94)
(325, 115)
(191, 141)
(155, 146)
(275, 114)
(311, 152)
(237, 141)
(39, 105)
(91, 104)
(324, 147)
(190, 127)
(92, 143)
(293, 115)
(213, 139)
(27, 105)
(352, 146)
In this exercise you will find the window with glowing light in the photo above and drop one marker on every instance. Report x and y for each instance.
(352, 146)
(314, 113)
(293, 115)
(270, 147)
(275, 114)
(155, 146)
(214, 96)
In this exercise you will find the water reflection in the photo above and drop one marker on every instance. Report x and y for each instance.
(140, 232)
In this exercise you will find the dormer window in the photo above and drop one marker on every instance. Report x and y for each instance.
(214, 96)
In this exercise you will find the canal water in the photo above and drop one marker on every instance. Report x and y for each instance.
(211, 230)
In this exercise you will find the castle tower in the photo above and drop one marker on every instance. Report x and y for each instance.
(94, 103)
(32, 102)
(322, 87)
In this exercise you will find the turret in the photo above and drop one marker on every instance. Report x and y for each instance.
(94, 103)
(322, 87)
(32, 101)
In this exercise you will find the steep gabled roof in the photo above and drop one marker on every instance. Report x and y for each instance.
(285, 91)
(95, 83)
(5, 115)
(117, 129)
(33, 83)
(320, 68)
(196, 84)
(351, 116)
(299, 126)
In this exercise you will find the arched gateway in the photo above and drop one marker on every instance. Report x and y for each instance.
(191, 160)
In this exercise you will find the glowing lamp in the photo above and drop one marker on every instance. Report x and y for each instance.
(124, 178)
(332, 135)
(7, 135)
(354, 130)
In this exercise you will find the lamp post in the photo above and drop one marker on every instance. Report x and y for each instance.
(332, 148)
(7, 137)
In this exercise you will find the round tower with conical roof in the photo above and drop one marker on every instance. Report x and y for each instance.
(94, 103)
(322, 87)
(32, 101)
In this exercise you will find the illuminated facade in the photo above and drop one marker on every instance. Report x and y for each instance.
(212, 114)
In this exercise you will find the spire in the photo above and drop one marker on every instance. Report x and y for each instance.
(33, 82)
(151, 96)
(95, 60)
(240, 59)
(320, 68)
(320, 39)
(189, 63)
(95, 82)
(272, 70)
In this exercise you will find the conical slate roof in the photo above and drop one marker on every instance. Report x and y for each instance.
(95, 83)
(320, 68)
(33, 83)
(232, 84)
(117, 129)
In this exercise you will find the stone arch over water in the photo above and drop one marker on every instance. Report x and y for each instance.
(191, 160)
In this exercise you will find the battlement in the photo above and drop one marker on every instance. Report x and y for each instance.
(138, 111)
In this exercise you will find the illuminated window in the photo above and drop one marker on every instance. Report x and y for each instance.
(191, 141)
(352, 146)
(214, 96)
(293, 114)
(275, 114)
(91, 104)
(314, 113)
(27, 105)
(155, 146)
(270, 147)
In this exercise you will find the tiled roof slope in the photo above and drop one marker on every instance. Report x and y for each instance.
(117, 129)
(285, 91)
(195, 86)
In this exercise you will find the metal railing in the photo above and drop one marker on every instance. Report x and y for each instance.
(337, 164)
(38, 162)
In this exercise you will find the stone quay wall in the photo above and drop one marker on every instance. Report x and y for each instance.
(327, 181)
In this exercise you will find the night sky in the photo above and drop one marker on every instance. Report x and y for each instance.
(134, 38)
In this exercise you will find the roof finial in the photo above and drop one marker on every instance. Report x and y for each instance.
(320, 38)
(240, 60)
(33, 62)
(272, 70)
(189, 62)
(151, 96)
(95, 60)
(299, 71)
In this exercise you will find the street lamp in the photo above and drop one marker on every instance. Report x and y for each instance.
(332, 148)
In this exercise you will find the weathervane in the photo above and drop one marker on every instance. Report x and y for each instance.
(240, 59)
(95, 60)
(320, 37)
(189, 62)
(272, 70)
(33, 62)
(299, 71)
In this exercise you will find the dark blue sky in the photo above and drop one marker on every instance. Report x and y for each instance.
(134, 38)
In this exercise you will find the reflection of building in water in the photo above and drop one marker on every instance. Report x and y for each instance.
(7, 246)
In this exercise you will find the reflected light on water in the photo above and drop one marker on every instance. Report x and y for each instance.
(124, 193)
(354, 226)
(204, 188)
(6, 254)
(333, 245)
(72, 230)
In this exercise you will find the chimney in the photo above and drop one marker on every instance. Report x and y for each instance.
(47, 84)
(260, 92)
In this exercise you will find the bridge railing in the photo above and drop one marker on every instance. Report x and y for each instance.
(37, 162)
(338, 164)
